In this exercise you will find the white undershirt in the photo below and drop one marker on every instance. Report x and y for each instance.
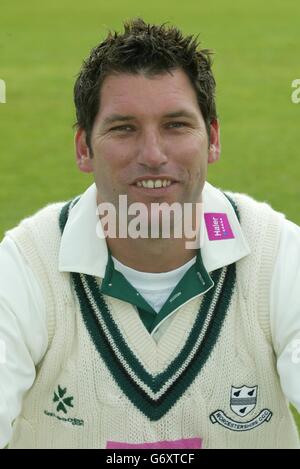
(155, 288)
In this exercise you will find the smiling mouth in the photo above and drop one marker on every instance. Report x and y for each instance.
(154, 183)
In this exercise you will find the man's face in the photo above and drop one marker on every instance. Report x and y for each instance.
(149, 132)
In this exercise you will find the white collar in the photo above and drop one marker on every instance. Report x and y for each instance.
(82, 251)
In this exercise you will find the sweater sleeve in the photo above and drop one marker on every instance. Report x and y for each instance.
(23, 333)
(285, 311)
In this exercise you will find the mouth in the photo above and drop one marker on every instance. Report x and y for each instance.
(155, 186)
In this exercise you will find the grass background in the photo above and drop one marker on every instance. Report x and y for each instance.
(42, 45)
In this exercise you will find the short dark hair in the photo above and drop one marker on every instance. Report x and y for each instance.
(150, 50)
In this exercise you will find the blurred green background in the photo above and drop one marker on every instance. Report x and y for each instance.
(42, 45)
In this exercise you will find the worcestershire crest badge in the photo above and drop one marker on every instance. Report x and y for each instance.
(243, 400)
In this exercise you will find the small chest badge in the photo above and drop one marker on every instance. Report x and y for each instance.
(243, 400)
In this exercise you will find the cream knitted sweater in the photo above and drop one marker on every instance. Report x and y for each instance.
(210, 381)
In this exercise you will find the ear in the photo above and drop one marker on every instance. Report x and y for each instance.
(83, 154)
(214, 149)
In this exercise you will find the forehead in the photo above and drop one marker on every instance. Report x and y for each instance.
(143, 95)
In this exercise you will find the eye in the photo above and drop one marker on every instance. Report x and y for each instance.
(122, 128)
(176, 125)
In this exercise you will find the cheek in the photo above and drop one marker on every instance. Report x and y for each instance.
(112, 165)
(195, 161)
(114, 154)
(191, 152)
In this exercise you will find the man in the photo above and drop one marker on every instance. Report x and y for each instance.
(144, 342)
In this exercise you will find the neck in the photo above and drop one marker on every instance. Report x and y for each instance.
(146, 255)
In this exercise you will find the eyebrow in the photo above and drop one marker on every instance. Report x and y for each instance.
(181, 113)
(117, 117)
(122, 118)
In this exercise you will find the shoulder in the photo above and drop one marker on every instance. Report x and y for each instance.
(290, 235)
(258, 219)
(46, 216)
(246, 206)
(288, 262)
(249, 206)
(39, 234)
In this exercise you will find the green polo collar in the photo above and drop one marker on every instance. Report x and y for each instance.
(195, 282)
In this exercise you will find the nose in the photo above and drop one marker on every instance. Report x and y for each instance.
(151, 153)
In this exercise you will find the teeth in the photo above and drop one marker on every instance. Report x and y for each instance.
(151, 184)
